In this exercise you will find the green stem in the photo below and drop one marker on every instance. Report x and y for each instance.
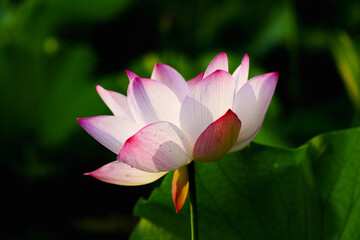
(193, 203)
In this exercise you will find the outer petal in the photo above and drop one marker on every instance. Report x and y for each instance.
(220, 62)
(180, 187)
(195, 80)
(151, 101)
(116, 102)
(218, 138)
(208, 100)
(123, 174)
(158, 147)
(250, 105)
(171, 78)
(241, 74)
(110, 131)
(131, 75)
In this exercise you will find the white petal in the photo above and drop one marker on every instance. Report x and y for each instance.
(250, 105)
(116, 102)
(151, 101)
(123, 174)
(192, 82)
(171, 78)
(207, 101)
(110, 131)
(241, 74)
(158, 147)
(220, 62)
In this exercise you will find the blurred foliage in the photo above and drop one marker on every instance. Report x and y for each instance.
(348, 62)
(54, 52)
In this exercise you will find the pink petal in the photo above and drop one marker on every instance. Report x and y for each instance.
(241, 73)
(116, 102)
(110, 131)
(218, 138)
(123, 174)
(250, 105)
(208, 100)
(171, 78)
(220, 62)
(131, 75)
(195, 80)
(158, 147)
(151, 101)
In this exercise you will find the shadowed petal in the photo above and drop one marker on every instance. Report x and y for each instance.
(195, 80)
(220, 62)
(241, 73)
(110, 131)
(171, 78)
(180, 187)
(116, 102)
(250, 105)
(123, 174)
(158, 147)
(218, 138)
(151, 101)
(208, 100)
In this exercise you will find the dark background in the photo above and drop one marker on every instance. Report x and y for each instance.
(54, 52)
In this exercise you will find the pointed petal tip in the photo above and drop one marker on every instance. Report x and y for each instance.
(130, 74)
(177, 209)
(99, 89)
(245, 58)
(273, 76)
(220, 72)
(81, 121)
(229, 111)
(159, 65)
(123, 174)
(219, 62)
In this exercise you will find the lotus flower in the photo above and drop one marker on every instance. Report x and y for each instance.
(164, 123)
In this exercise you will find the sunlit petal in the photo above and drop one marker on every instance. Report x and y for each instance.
(110, 131)
(208, 100)
(220, 62)
(250, 105)
(151, 101)
(241, 73)
(171, 78)
(123, 174)
(116, 102)
(195, 80)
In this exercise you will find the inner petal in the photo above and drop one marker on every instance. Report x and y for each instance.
(208, 100)
(151, 101)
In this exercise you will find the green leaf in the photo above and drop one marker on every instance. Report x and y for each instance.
(146, 230)
(262, 192)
